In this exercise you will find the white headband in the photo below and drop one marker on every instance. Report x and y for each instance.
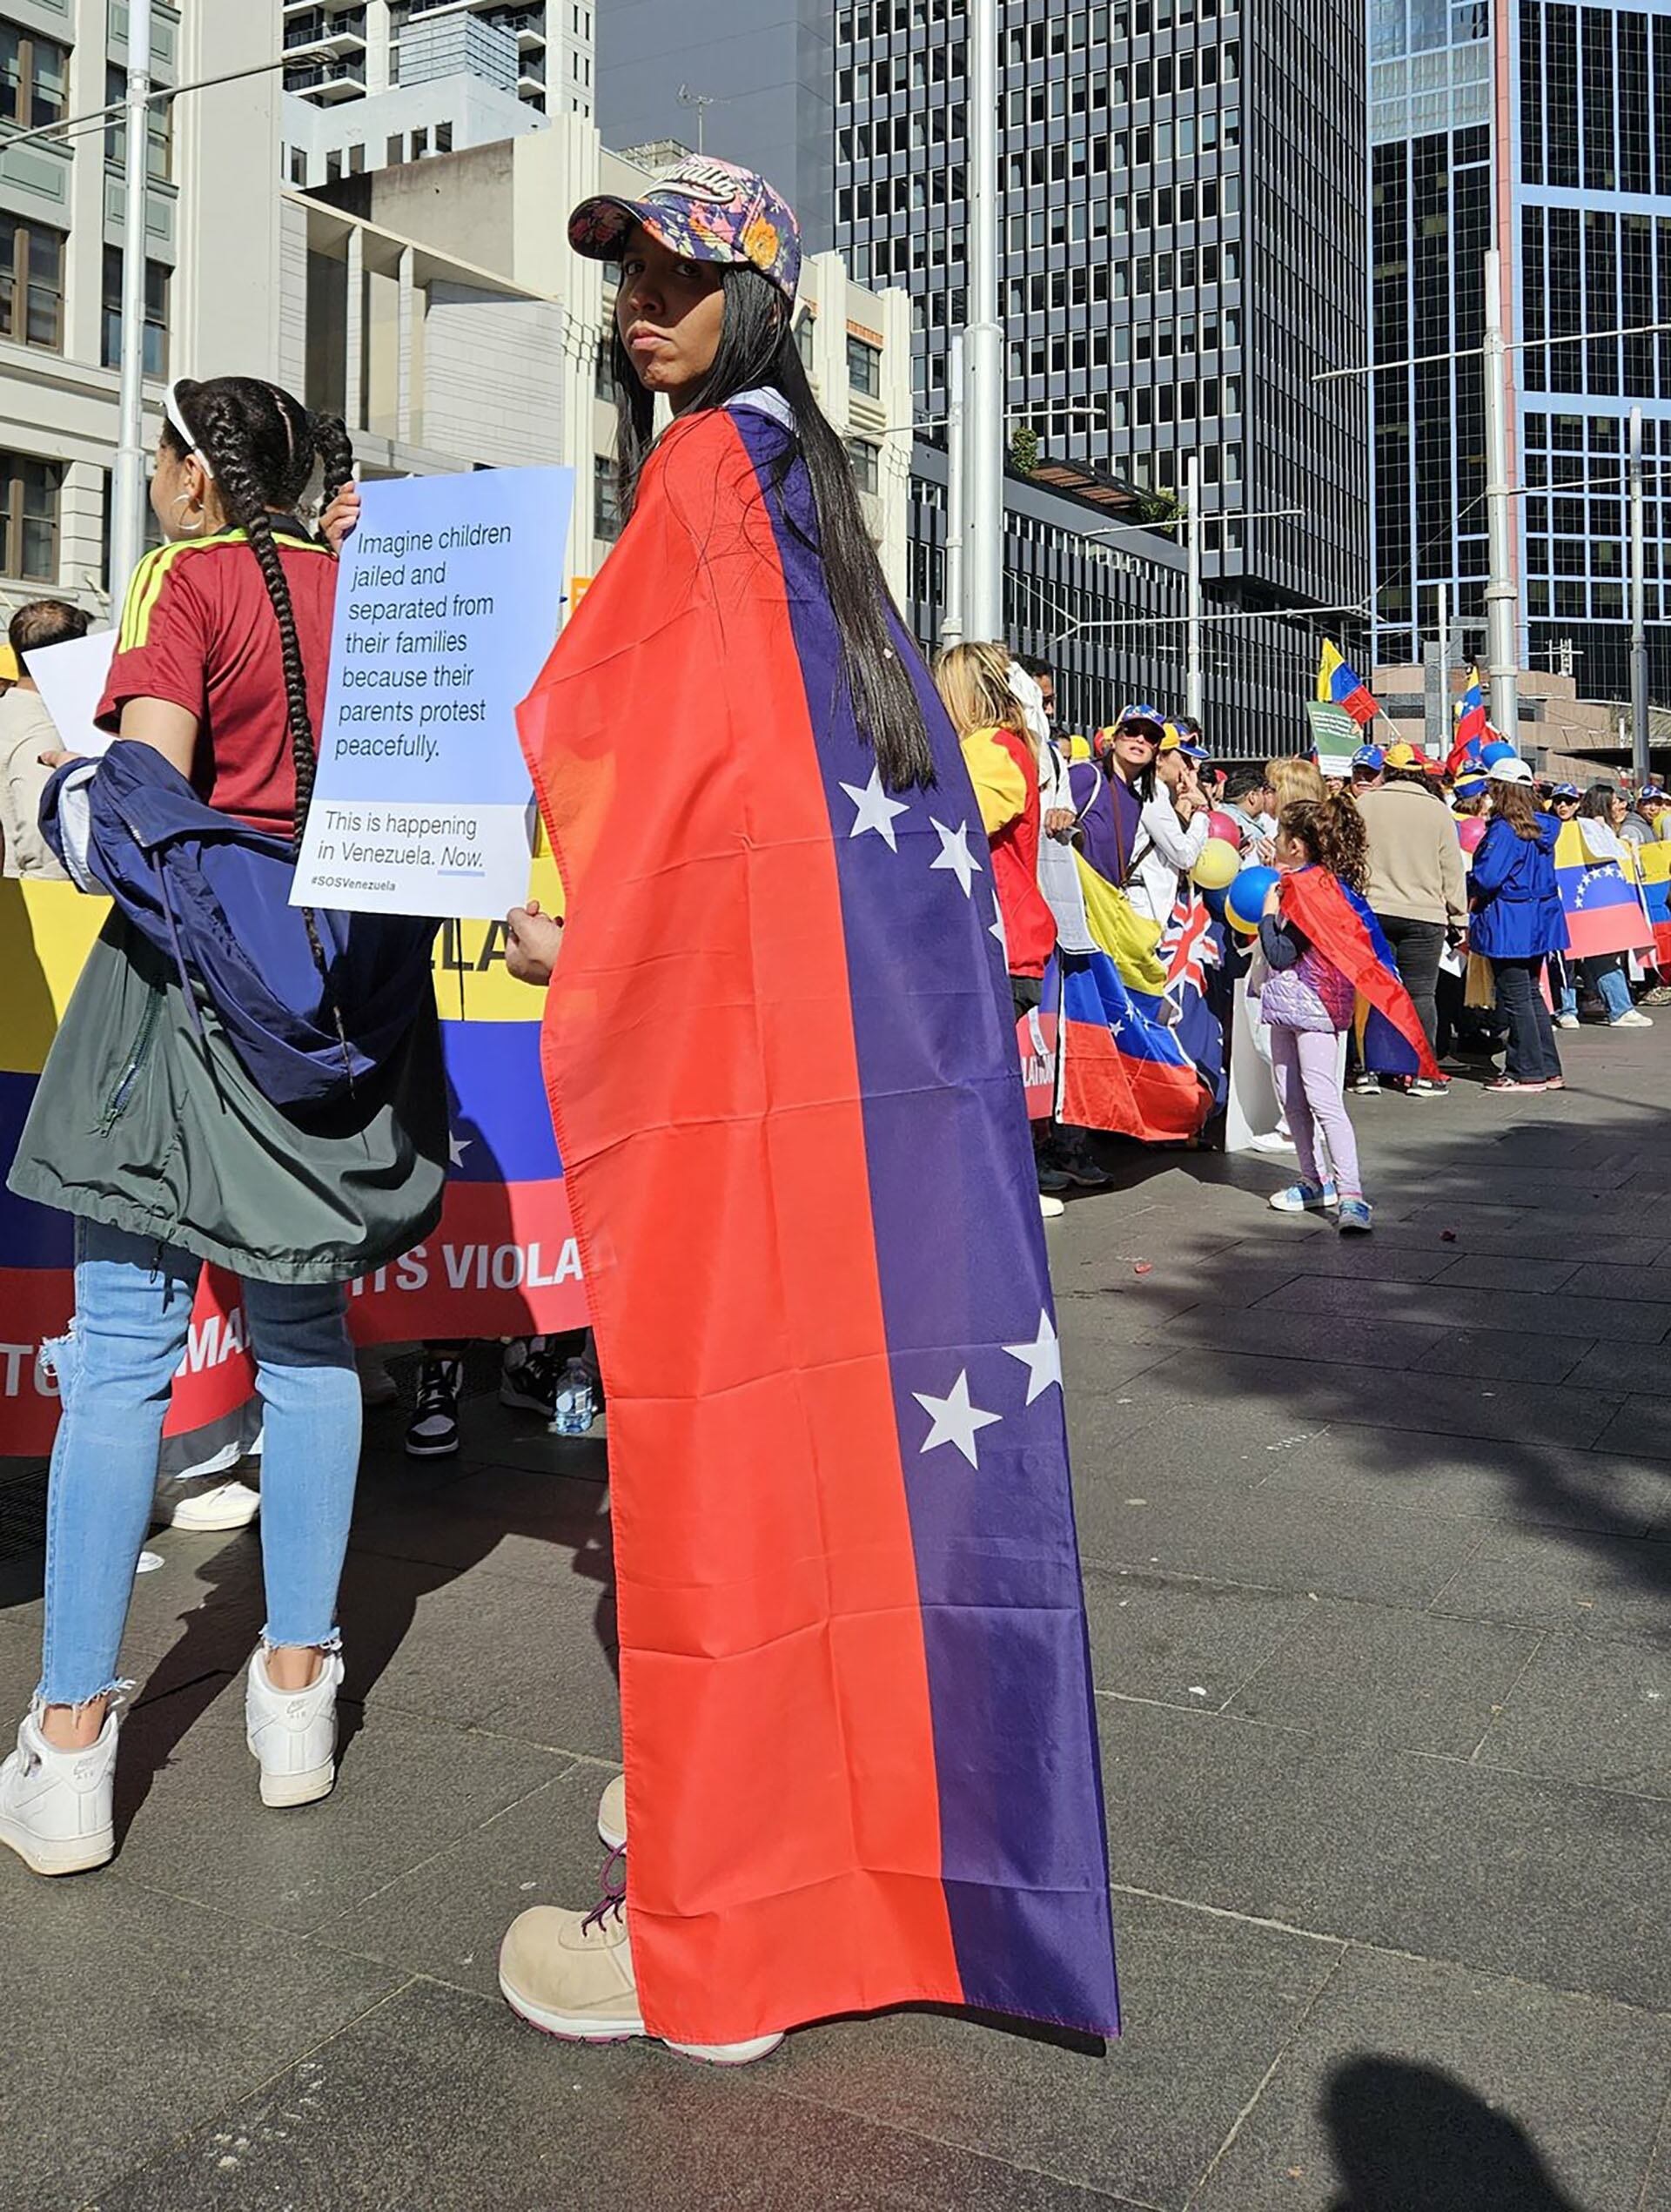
(171, 409)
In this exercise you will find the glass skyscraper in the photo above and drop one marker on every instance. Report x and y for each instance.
(1544, 128)
(1182, 225)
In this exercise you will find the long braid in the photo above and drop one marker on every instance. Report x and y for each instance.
(262, 445)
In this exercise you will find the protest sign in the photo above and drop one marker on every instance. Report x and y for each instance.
(447, 610)
(71, 678)
(1335, 738)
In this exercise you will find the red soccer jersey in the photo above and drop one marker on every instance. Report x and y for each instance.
(198, 630)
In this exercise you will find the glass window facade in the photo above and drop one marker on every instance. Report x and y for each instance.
(1168, 167)
(1592, 223)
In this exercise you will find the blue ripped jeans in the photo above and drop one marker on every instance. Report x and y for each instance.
(134, 1301)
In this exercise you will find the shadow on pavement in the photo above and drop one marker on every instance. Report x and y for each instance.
(1410, 2139)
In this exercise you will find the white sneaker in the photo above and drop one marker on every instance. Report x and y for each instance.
(293, 1732)
(1566, 1021)
(1632, 1020)
(54, 1806)
(1273, 1140)
(612, 1814)
(218, 1505)
(1051, 1208)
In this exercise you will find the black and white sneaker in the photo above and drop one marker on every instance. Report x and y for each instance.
(529, 1376)
(433, 1432)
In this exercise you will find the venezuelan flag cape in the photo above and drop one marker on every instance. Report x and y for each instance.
(1390, 1039)
(503, 1262)
(860, 1755)
(1595, 877)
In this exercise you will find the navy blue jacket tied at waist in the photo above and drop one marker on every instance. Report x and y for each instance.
(213, 896)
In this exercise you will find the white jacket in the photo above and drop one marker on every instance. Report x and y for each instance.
(1163, 850)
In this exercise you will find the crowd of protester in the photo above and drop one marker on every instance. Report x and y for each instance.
(1131, 884)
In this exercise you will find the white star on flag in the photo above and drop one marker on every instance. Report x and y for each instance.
(997, 928)
(457, 1147)
(954, 855)
(877, 809)
(1042, 1359)
(956, 1421)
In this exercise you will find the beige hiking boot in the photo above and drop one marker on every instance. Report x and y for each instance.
(612, 1814)
(571, 1974)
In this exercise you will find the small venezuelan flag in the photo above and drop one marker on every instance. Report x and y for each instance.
(1339, 684)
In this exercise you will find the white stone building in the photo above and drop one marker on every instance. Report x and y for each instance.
(434, 303)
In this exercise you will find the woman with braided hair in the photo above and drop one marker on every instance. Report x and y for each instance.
(180, 1120)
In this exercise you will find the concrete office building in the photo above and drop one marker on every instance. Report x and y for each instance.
(1169, 168)
(1545, 129)
(212, 245)
(343, 50)
(438, 307)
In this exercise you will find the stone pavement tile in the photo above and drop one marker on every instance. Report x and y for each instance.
(1502, 1356)
(1547, 1485)
(444, 1918)
(1167, 1441)
(1615, 1588)
(1421, 2087)
(189, 1820)
(1208, 2001)
(1589, 1712)
(466, 1525)
(1124, 1313)
(1228, 1278)
(1530, 1236)
(1093, 1365)
(131, 2018)
(1357, 1673)
(1641, 1322)
(1546, 1880)
(1624, 1367)
(1285, 1541)
(204, 1604)
(1520, 1272)
(483, 1651)
(1447, 1405)
(1298, 1336)
(1607, 1278)
(1641, 1425)
(1154, 1637)
(1360, 1259)
(442, 2101)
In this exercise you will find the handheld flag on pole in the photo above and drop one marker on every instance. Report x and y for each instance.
(1471, 725)
(1339, 684)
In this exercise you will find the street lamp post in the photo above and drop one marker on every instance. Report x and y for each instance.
(1639, 761)
(1193, 687)
(128, 482)
(982, 607)
(1502, 651)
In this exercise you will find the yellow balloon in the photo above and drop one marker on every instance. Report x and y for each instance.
(1219, 865)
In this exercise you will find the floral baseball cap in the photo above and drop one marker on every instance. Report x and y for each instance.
(706, 211)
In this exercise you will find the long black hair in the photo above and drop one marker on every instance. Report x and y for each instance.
(758, 350)
(263, 446)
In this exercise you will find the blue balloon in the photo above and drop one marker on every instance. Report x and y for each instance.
(1246, 896)
(1500, 751)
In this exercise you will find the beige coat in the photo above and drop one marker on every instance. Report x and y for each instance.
(26, 732)
(1415, 855)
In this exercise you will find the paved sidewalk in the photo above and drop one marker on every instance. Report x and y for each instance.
(1378, 1539)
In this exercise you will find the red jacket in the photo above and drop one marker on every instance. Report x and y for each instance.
(1004, 772)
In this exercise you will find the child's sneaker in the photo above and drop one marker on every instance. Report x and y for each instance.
(1355, 1218)
(1304, 1198)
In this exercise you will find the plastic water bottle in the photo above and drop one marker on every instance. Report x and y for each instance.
(574, 1407)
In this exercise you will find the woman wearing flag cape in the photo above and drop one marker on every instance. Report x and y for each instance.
(861, 1757)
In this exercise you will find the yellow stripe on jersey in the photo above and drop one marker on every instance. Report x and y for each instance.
(149, 578)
